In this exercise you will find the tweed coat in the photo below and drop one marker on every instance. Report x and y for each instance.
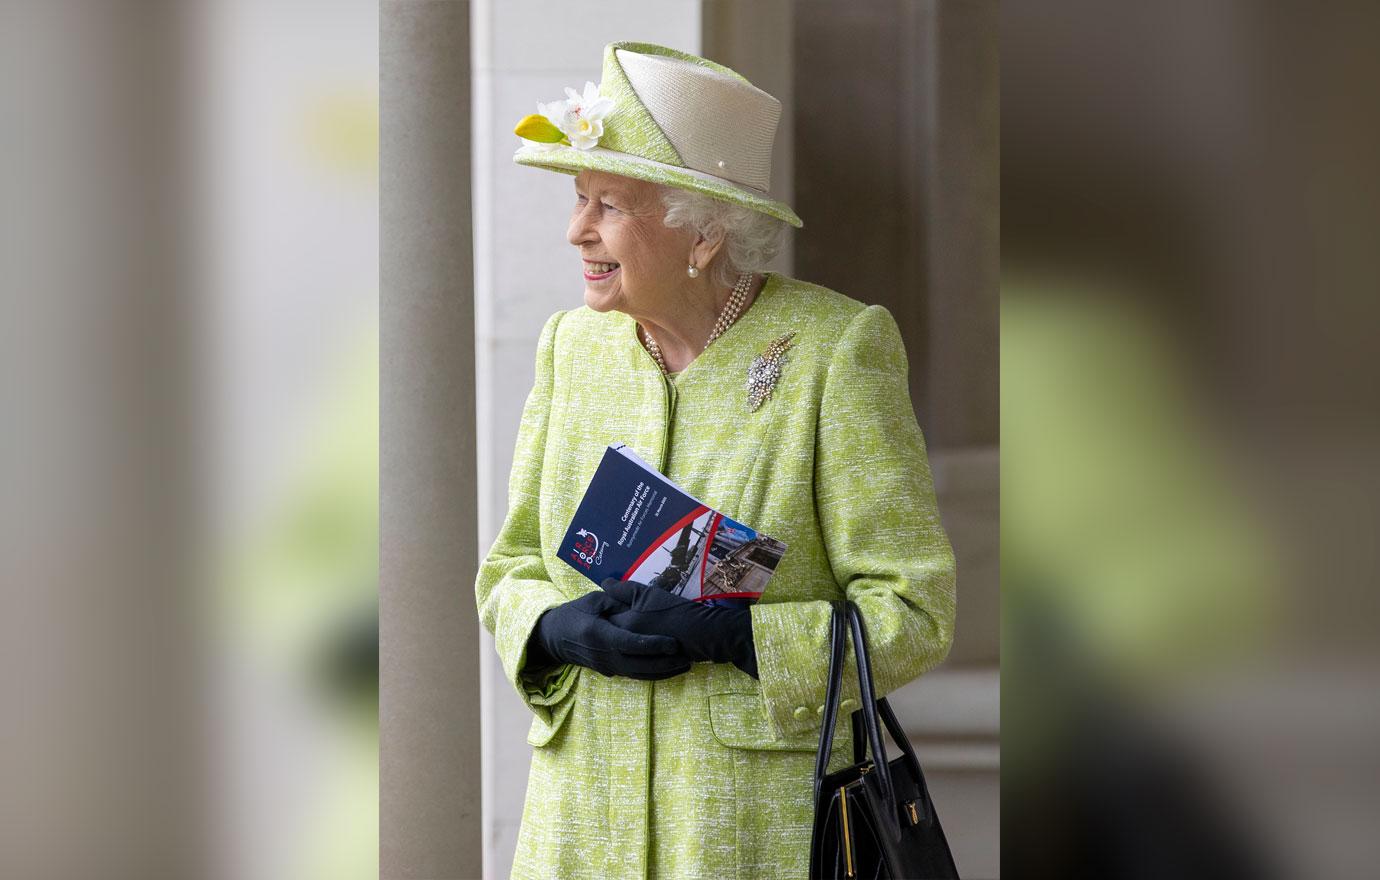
(709, 774)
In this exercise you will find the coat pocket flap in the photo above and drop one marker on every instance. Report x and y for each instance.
(544, 726)
(739, 721)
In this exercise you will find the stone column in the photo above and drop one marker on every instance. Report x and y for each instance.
(429, 762)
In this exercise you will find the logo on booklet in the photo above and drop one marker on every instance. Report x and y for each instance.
(589, 550)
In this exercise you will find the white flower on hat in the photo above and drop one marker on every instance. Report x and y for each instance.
(583, 119)
(576, 122)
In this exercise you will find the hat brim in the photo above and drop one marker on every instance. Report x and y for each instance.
(569, 160)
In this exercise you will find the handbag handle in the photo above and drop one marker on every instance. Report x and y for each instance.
(868, 711)
(831, 693)
(892, 726)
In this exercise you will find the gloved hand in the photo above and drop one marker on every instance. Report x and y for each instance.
(580, 632)
(705, 632)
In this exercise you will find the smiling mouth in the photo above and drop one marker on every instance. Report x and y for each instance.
(599, 271)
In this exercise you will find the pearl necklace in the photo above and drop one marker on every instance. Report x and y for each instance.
(732, 309)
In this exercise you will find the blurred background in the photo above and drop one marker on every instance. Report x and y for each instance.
(190, 363)
(190, 525)
(1189, 652)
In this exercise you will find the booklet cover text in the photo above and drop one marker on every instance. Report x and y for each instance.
(636, 525)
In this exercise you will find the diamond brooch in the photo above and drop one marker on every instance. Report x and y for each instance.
(765, 370)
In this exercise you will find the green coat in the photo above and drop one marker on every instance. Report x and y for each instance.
(709, 774)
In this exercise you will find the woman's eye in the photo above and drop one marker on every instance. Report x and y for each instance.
(581, 201)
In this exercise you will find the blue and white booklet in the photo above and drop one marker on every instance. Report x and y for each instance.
(636, 525)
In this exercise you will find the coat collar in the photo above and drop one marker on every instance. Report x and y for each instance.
(741, 342)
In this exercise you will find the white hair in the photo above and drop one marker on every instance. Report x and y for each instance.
(751, 238)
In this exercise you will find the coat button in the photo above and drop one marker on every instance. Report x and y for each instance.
(848, 705)
(801, 712)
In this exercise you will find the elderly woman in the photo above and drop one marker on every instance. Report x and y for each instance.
(673, 739)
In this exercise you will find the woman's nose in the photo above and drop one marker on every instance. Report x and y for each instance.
(581, 230)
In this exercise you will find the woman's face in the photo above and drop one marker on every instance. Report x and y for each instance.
(618, 220)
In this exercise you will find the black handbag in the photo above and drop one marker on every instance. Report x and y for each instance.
(873, 819)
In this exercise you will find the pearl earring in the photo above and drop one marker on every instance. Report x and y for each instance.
(692, 271)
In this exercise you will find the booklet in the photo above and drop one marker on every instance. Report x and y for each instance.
(636, 525)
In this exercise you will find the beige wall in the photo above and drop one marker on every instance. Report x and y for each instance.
(527, 51)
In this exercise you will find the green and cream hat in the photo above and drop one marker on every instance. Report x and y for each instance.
(667, 117)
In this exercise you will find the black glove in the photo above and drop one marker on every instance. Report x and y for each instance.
(579, 632)
(705, 632)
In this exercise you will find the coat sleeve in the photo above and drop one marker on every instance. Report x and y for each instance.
(874, 499)
(512, 587)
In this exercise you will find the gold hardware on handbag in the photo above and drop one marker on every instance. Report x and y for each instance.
(847, 842)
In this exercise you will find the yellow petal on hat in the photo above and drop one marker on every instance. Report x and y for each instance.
(538, 128)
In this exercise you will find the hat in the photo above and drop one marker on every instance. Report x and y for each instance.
(666, 117)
